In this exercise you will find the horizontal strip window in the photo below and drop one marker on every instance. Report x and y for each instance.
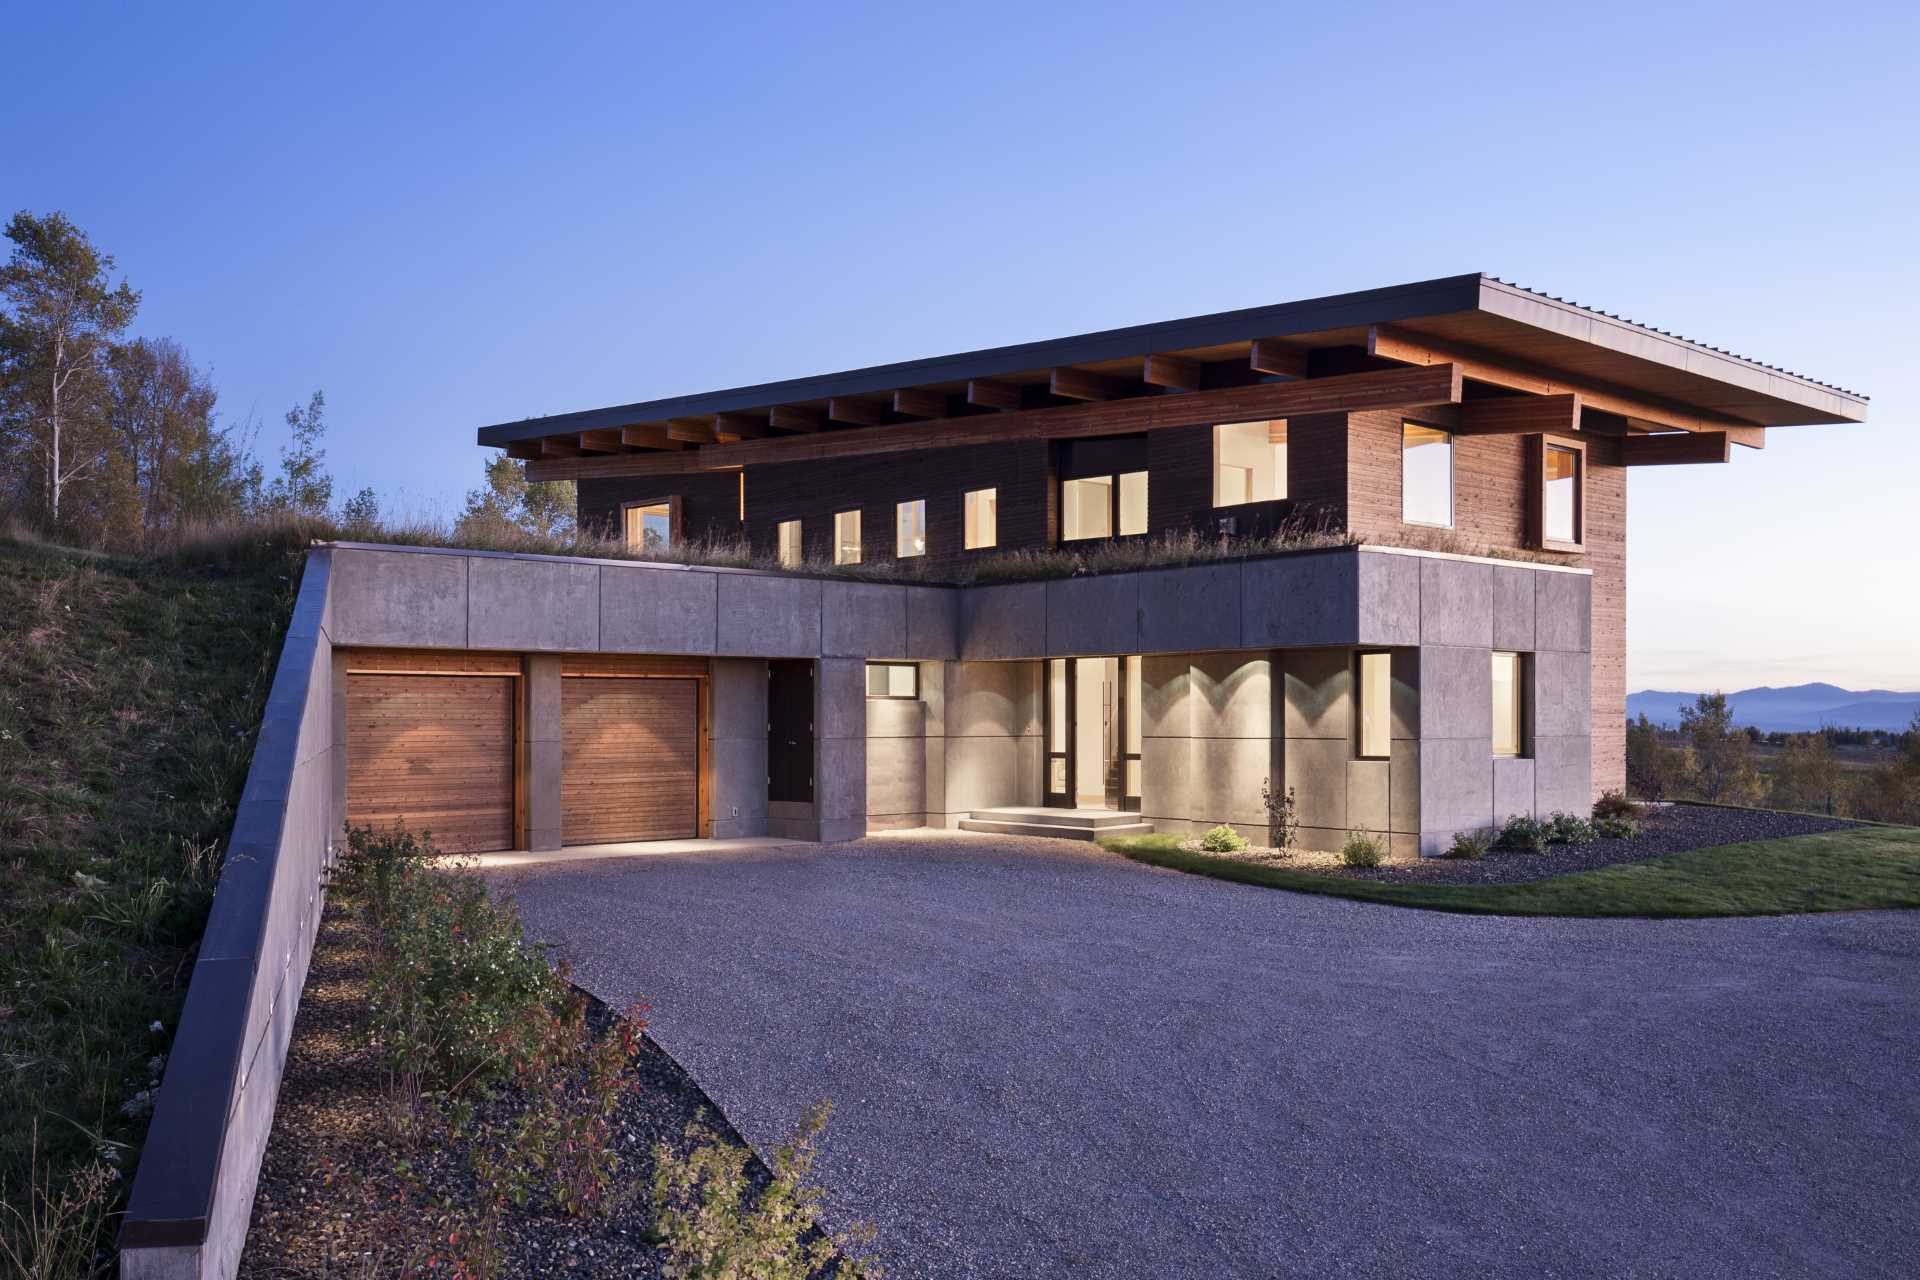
(893, 680)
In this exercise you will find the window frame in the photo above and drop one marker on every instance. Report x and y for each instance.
(900, 509)
(670, 501)
(966, 523)
(1537, 447)
(1114, 492)
(1213, 474)
(1453, 486)
(1522, 705)
(799, 528)
(913, 668)
(1360, 751)
(859, 538)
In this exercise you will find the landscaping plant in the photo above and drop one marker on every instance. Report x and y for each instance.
(1615, 828)
(1522, 834)
(1223, 839)
(1615, 804)
(1469, 846)
(1363, 849)
(1283, 821)
(1569, 828)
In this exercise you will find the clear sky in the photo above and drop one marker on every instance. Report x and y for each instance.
(453, 216)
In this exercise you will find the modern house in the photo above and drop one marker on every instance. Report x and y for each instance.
(1446, 649)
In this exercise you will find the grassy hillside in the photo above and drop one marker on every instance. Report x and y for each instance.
(130, 693)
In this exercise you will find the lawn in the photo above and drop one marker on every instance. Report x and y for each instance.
(1848, 870)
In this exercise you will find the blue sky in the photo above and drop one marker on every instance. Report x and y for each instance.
(452, 216)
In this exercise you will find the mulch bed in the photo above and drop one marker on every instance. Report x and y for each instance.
(1668, 829)
(330, 1202)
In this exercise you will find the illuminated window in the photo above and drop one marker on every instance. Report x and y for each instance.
(1426, 475)
(1249, 462)
(1098, 506)
(1133, 503)
(846, 537)
(910, 529)
(649, 526)
(790, 547)
(1376, 706)
(1560, 505)
(1509, 703)
(893, 680)
(982, 519)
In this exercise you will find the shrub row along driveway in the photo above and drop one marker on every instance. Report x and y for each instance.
(1046, 1060)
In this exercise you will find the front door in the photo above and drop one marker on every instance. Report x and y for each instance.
(790, 731)
(1093, 733)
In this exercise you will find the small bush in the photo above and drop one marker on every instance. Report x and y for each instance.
(1363, 849)
(1283, 821)
(1469, 846)
(1614, 804)
(1223, 839)
(1522, 834)
(1616, 828)
(1569, 828)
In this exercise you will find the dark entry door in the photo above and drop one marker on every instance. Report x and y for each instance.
(790, 731)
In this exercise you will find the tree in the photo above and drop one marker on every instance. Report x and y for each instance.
(1653, 767)
(169, 463)
(509, 503)
(1890, 792)
(1717, 766)
(60, 315)
(1807, 776)
(303, 485)
(361, 512)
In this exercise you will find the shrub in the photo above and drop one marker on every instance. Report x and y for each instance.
(1469, 846)
(1522, 834)
(1614, 804)
(1223, 839)
(1569, 828)
(376, 861)
(714, 1227)
(1616, 828)
(1283, 822)
(1363, 849)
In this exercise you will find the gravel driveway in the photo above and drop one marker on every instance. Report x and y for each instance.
(1048, 1061)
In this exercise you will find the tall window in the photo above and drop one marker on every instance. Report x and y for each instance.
(1560, 504)
(1509, 701)
(982, 519)
(1100, 506)
(910, 529)
(846, 537)
(1426, 475)
(649, 526)
(1249, 462)
(1375, 737)
(791, 553)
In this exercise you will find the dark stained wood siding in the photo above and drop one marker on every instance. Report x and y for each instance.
(709, 503)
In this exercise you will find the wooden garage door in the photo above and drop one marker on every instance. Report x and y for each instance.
(629, 759)
(434, 753)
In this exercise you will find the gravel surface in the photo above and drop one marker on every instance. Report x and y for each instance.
(1047, 1060)
(1669, 829)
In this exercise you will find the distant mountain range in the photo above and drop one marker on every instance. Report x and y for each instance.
(1795, 709)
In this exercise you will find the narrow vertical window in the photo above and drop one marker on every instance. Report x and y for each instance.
(1508, 705)
(1133, 503)
(846, 537)
(1059, 694)
(1561, 501)
(790, 545)
(1426, 475)
(1086, 508)
(910, 529)
(1375, 738)
(1249, 462)
(982, 519)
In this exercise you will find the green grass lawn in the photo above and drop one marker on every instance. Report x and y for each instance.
(130, 694)
(1833, 871)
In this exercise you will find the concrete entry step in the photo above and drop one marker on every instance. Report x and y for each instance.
(1060, 824)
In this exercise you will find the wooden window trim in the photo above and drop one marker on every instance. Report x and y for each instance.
(1536, 482)
(672, 503)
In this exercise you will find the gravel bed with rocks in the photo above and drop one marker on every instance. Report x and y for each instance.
(1664, 829)
(331, 1202)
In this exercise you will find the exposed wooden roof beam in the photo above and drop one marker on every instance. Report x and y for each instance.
(650, 437)
(525, 450)
(916, 402)
(601, 442)
(861, 413)
(1676, 449)
(692, 431)
(1381, 389)
(552, 448)
(1179, 372)
(1083, 384)
(1390, 344)
(1520, 415)
(986, 393)
(794, 417)
(1283, 359)
(739, 426)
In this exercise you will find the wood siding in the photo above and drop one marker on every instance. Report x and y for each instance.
(433, 753)
(629, 759)
(709, 503)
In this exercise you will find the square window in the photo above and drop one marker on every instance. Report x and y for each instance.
(982, 519)
(791, 553)
(649, 526)
(1426, 475)
(1249, 462)
(846, 537)
(1086, 508)
(893, 680)
(910, 529)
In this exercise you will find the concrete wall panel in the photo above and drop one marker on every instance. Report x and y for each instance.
(1513, 608)
(1299, 600)
(1403, 787)
(1456, 692)
(645, 609)
(1166, 708)
(1094, 616)
(1456, 603)
(1563, 775)
(1231, 695)
(1190, 610)
(1563, 612)
(1456, 789)
(1562, 694)
(1004, 621)
(933, 623)
(1316, 769)
(863, 620)
(768, 617)
(1318, 685)
(404, 598)
(1512, 788)
(1369, 802)
(532, 604)
(1225, 786)
(1389, 599)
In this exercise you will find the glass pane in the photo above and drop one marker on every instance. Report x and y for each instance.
(1133, 503)
(649, 528)
(790, 543)
(1426, 475)
(1057, 776)
(982, 519)
(1057, 704)
(1563, 484)
(910, 529)
(876, 680)
(846, 537)
(1506, 704)
(1086, 508)
(1133, 779)
(1133, 705)
(1376, 704)
(1249, 462)
(903, 681)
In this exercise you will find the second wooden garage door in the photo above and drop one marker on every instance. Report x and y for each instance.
(630, 759)
(433, 753)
